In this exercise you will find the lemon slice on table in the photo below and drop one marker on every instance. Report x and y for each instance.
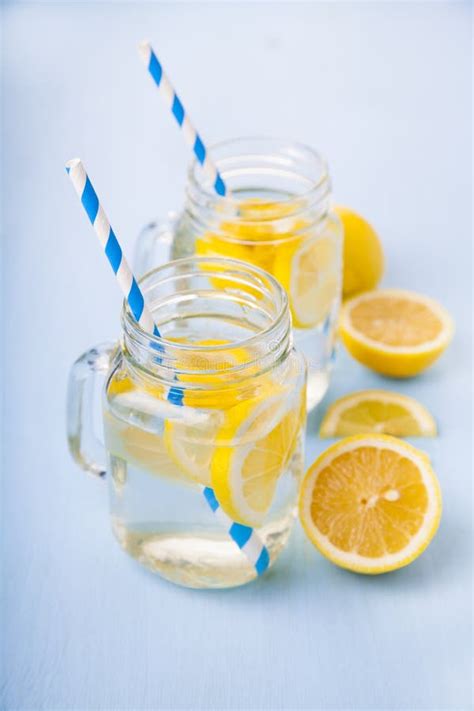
(370, 503)
(262, 437)
(310, 272)
(377, 411)
(395, 332)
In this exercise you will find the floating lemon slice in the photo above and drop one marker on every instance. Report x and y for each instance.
(191, 446)
(377, 411)
(395, 332)
(190, 433)
(204, 383)
(142, 449)
(263, 232)
(246, 240)
(370, 503)
(262, 438)
(310, 272)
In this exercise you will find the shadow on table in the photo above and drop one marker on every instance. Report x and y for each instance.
(450, 550)
(301, 568)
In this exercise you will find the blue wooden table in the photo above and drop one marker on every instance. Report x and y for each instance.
(383, 89)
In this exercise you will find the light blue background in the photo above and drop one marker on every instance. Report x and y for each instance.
(383, 89)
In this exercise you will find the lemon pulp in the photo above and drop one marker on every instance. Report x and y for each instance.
(377, 411)
(371, 503)
(394, 331)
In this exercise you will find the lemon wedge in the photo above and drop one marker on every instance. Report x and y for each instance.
(370, 503)
(377, 411)
(395, 332)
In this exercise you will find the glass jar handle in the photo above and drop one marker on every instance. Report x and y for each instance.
(85, 447)
(155, 244)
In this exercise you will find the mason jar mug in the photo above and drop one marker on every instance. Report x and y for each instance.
(276, 215)
(203, 426)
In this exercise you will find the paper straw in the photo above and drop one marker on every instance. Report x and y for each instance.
(174, 104)
(123, 273)
(244, 536)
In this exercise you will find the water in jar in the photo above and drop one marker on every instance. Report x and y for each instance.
(306, 258)
(245, 440)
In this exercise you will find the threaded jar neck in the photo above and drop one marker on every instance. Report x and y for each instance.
(285, 181)
(220, 320)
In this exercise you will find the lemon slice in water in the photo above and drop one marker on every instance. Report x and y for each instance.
(262, 437)
(310, 272)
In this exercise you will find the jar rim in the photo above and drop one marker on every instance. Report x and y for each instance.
(208, 192)
(279, 322)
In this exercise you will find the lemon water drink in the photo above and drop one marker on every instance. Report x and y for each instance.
(277, 216)
(249, 452)
(217, 402)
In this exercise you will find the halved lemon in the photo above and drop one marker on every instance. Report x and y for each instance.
(370, 503)
(310, 271)
(262, 439)
(395, 332)
(377, 411)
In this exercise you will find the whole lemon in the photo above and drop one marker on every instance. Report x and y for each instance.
(363, 254)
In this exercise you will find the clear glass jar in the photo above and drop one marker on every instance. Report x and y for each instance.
(277, 216)
(203, 426)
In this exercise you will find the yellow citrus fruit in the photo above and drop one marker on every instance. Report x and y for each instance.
(205, 389)
(264, 234)
(191, 446)
(191, 433)
(142, 449)
(309, 270)
(262, 437)
(370, 503)
(377, 411)
(118, 384)
(395, 332)
(363, 255)
(245, 238)
(258, 235)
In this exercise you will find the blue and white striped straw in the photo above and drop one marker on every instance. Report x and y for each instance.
(174, 104)
(244, 536)
(123, 273)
